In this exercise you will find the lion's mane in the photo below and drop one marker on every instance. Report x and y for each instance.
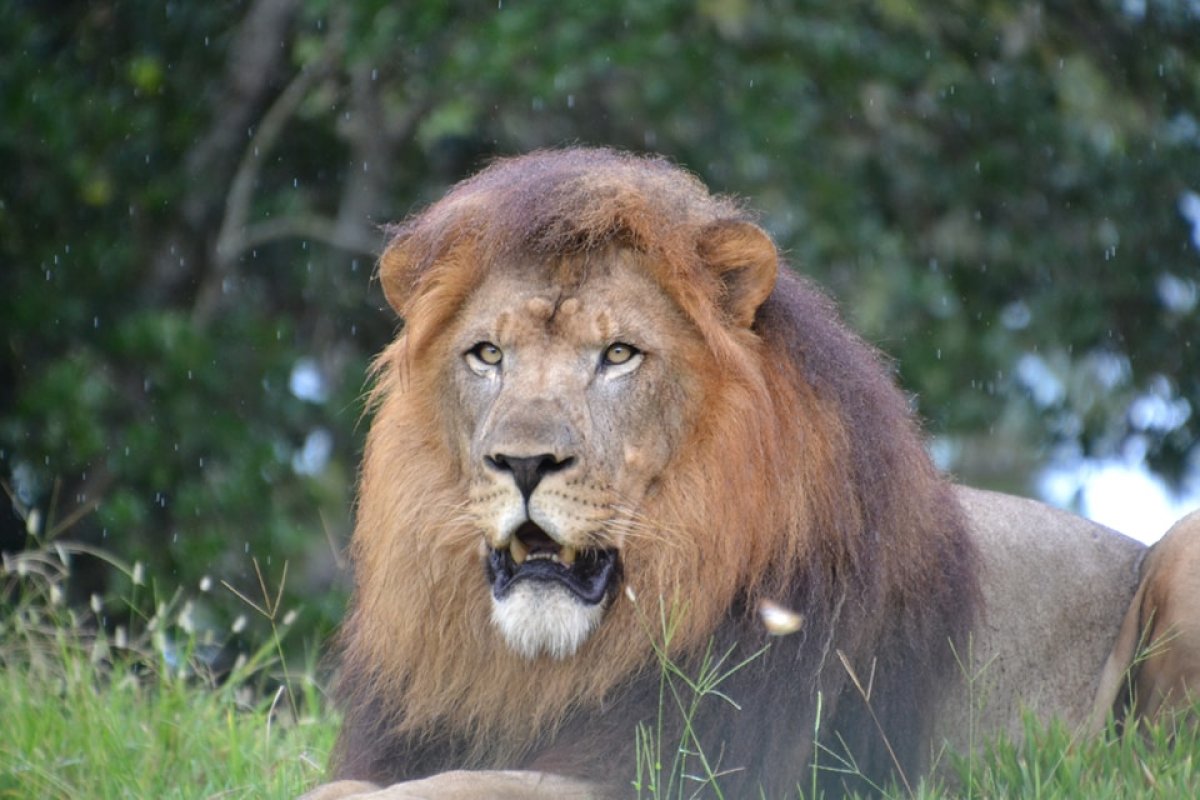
(805, 483)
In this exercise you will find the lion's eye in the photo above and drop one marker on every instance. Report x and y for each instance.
(486, 353)
(618, 353)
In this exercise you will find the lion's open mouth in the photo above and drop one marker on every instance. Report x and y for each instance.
(532, 555)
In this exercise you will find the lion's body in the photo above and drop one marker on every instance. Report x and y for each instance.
(606, 409)
(1054, 589)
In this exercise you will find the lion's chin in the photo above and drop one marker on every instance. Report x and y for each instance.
(539, 618)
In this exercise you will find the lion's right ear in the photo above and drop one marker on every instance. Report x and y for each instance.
(744, 259)
(397, 272)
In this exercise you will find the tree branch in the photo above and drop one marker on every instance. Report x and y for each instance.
(232, 237)
(312, 227)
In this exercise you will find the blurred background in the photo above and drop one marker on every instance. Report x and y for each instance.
(1004, 197)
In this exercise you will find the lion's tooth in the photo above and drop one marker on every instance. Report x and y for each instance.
(518, 550)
(567, 555)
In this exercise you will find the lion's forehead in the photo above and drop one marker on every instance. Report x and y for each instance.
(590, 305)
(547, 314)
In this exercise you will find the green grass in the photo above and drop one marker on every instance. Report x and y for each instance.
(76, 728)
(67, 733)
(89, 714)
(1160, 761)
(85, 716)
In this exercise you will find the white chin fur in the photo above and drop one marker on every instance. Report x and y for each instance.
(538, 618)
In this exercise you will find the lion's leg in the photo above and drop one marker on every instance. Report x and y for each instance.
(340, 790)
(1156, 656)
(468, 785)
(1167, 677)
(1113, 690)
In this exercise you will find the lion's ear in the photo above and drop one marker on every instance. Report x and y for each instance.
(744, 259)
(396, 272)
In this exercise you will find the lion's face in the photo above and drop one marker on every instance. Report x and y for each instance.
(568, 402)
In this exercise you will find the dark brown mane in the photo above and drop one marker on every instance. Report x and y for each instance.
(557, 203)
(563, 202)
(808, 473)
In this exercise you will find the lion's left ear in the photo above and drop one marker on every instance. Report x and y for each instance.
(745, 260)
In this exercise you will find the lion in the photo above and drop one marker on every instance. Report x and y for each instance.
(613, 429)
(1154, 667)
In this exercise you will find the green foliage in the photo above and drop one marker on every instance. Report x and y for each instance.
(664, 768)
(98, 715)
(1051, 762)
(74, 730)
(189, 197)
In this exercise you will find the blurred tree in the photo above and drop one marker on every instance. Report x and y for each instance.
(1004, 196)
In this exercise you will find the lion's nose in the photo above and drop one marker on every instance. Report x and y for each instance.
(528, 471)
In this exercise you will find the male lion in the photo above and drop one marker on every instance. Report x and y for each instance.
(614, 428)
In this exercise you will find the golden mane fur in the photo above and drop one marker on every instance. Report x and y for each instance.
(804, 482)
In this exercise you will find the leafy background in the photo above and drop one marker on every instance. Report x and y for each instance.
(1005, 197)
